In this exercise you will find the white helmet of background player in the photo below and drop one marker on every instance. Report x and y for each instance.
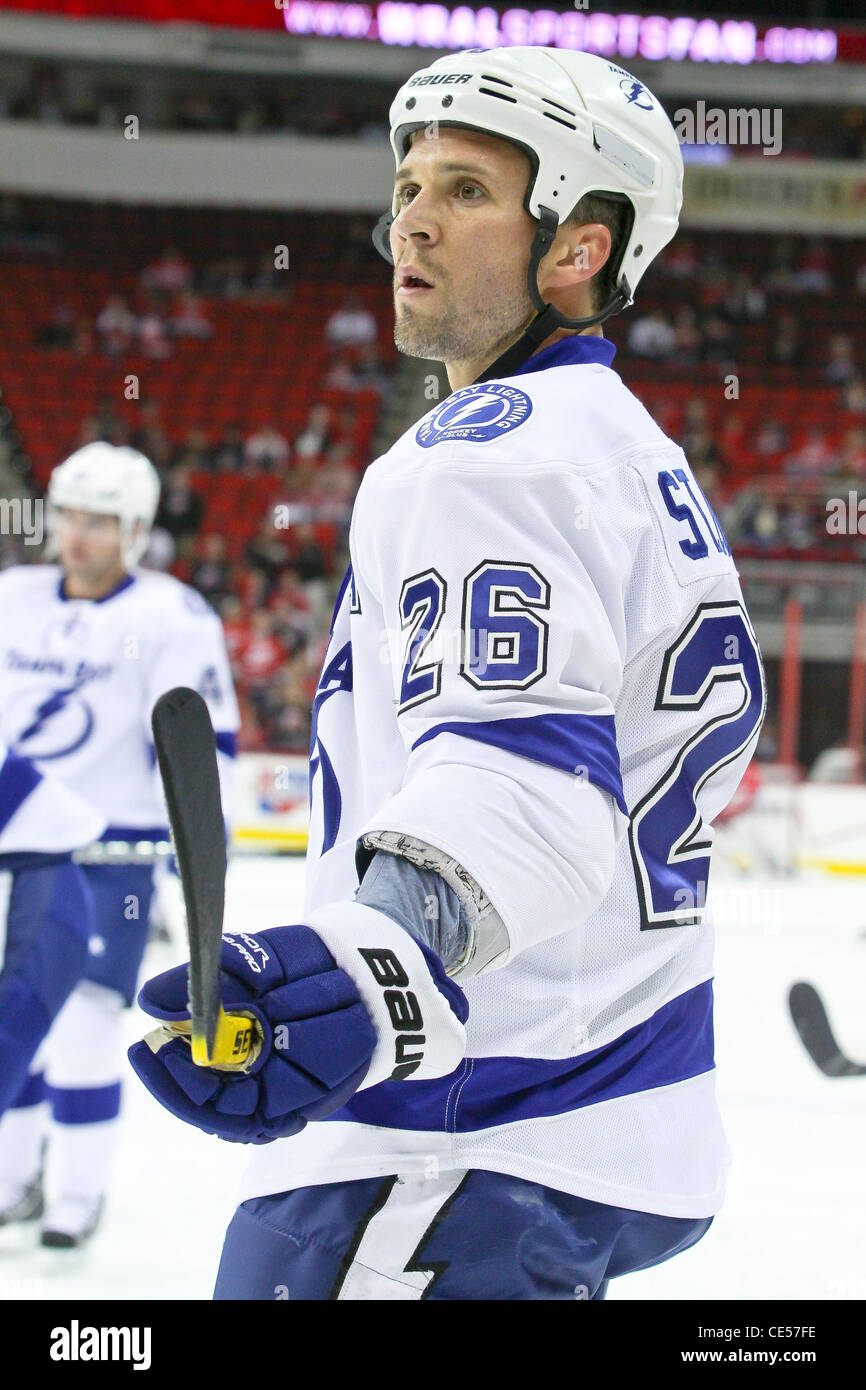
(113, 480)
(586, 125)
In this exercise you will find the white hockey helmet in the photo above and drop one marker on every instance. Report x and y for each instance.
(114, 481)
(587, 126)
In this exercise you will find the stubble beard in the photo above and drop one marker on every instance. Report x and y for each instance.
(482, 327)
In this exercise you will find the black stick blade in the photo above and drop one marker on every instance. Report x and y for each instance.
(811, 1021)
(186, 750)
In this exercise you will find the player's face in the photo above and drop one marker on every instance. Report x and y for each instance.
(89, 545)
(463, 230)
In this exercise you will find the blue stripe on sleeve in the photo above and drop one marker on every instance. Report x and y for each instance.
(84, 1105)
(18, 777)
(227, 743)
(584, 744)
(676, 1043)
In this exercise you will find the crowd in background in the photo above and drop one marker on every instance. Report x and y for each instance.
(768, 480)
(44, 91)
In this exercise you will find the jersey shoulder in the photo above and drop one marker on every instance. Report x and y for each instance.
(168, 601)
(577, 416)
(29, 581)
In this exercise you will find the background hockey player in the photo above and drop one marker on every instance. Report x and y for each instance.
(541, 688)
(86, 647)
(46, 922)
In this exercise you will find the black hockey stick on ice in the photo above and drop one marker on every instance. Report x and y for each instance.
(813, 1025)
(186, 750)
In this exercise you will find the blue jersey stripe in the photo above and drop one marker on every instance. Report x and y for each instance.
(227, 743)
(676, 1043)
(134, 833)
(584, 744)
(85, 1105)
(18, 777)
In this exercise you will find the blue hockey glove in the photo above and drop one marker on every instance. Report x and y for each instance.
(343, 1004)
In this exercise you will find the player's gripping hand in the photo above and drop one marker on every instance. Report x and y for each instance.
(342, 1005)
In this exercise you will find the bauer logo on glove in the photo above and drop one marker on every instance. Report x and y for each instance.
(335, 1007)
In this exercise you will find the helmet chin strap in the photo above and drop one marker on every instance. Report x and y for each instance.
(548, 318)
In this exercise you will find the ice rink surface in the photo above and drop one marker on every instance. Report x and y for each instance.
(794, 1223)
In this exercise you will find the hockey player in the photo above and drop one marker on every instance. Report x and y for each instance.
(541, 688)
(46, 921)
(86, 647)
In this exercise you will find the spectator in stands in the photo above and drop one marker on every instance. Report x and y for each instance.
(351, 325)
(688, 338)
(181, 509)
(814, 273)
(267, 283)
(104, 424)
(341, 374)
(841, 366)
(357, 249)
(260, 659)
(718, 343)
(680, 260)
(745, 300)
(292, 613)
(288, 712)
(780, 275)
(760, 523)
(60, 330)
(116, 326)
(369, 371)
(770, 438)
(161, 550)
(797, 530)
(227, 455)
(733, 447)
(251, 586)
(714, 279)
(153, 339)
(193, 453)
(267, 449)
(854, 396)
(813, 458)
(652, 335)
(852, 460)
(167, 276)
(308, 557)
(211, 574)
(267, 552)
(225, 279)
(189, 320)
(236, 630)
(316, 435)
(150, 438)
(696, 422)
(786, 347)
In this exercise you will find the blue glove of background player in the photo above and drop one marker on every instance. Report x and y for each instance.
(347, 1005)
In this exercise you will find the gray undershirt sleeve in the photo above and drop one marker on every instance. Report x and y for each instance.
(421, 902)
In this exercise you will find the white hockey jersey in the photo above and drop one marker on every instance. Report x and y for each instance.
(79, 678)
(542, 665)
(39, 815)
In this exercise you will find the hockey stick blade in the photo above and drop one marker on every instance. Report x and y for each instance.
(811, 1021)
(186, 751)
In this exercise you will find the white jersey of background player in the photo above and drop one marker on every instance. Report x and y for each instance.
(541, 686)
(86, 647)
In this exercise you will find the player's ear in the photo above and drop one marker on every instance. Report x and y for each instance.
(576, 255)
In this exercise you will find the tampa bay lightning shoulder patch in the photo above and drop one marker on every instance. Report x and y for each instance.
(475, 414)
